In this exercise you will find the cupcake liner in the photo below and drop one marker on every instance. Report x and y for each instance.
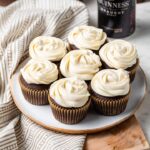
(109, 106)
(68, 115)
(34, 96)
(132, 70)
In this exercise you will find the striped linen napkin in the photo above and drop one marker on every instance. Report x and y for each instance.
(20, 22)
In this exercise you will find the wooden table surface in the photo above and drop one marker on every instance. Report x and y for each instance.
(126, 136)
(5, 2)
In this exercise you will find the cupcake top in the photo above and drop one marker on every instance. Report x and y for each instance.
(119, 54)
(87, 37)
(47, 48)
(39, 72)
(111, 82)
(82, 64)
(69, 92)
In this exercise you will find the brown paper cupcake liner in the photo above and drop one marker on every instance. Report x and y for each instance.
(132, 70)
(34, 96)
(109, 106)
(68, 115)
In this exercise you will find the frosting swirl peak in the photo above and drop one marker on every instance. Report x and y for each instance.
(39, 72)
(69, 92)
(87, 37)
(82, 64)
(49, 48)
(119, 54)
(111, 82)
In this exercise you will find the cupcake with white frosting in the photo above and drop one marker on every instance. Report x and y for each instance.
(47, 48)
(120, 54)
(69, 99)
(87, 37)
(110, 90)
(35, 79)
(83, 64)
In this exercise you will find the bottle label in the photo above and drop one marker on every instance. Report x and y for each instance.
(113, 8)
(116, 17)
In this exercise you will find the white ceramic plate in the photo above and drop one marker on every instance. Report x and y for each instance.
(93, 122)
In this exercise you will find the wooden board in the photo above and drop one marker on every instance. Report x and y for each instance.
(126, 136)
(5, 2)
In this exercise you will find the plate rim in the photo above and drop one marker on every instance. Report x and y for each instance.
(69, 131)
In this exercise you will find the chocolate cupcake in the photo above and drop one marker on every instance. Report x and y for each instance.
(110, 90)
(35, 79)
(47, 48)
(83, 64)
(69, 100)
(120, 54)
(87, 37)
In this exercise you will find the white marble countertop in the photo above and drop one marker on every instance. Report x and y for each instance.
(141, 38)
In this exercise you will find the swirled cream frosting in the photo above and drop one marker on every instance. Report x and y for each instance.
(82, 64)
(87, 37)
(47, 48)
(119, 54)
(39, 72)
(111, 82)
(69, 92)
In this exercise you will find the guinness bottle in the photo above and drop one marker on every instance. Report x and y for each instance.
(116, 17)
